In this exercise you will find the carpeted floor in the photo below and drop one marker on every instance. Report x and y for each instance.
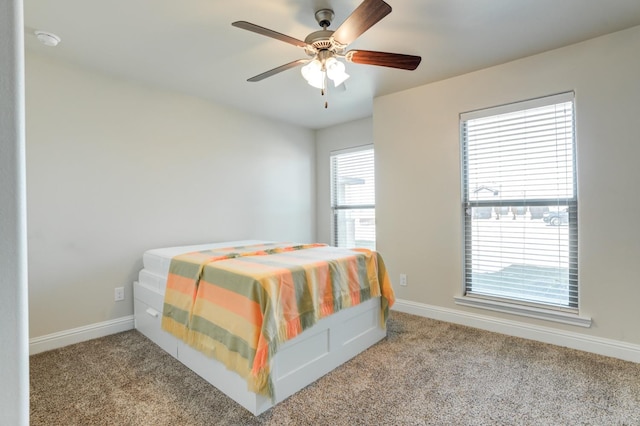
(425, 372)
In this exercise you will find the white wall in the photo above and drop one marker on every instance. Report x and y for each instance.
(14, 361)
(115, 168)
(418, 177)
(347, 135)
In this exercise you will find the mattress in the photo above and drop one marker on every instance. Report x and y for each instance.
(156, 261)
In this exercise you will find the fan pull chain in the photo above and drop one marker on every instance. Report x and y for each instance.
(324, 91)
(325, 94)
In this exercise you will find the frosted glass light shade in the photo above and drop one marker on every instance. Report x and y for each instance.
(313, 73)
(336, 71)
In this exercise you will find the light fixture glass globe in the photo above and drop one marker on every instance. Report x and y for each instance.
(313, 73)
(336, 71)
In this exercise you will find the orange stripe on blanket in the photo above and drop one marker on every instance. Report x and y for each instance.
(231, 301)
(181, 284)
(260, 361)
(354, 280)
(287, 298)
(221, 317)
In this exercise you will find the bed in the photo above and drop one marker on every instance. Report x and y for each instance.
(292, 350)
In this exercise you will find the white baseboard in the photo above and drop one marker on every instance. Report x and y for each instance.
(80, 334)
(583, 342)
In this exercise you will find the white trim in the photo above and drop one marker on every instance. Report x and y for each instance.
(598, 345)
(519, 105)
(80, 334)
(351, 149)
(14, 297)
(523, 310)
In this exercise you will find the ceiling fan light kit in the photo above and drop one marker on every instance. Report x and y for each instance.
(322, 66)
(325, 47)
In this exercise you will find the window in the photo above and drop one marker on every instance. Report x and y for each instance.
(353, 198)
(520, 203)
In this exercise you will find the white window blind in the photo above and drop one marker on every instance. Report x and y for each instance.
(520, 202)
(353, 198)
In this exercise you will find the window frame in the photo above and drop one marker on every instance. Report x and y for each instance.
(566, 314)
(336, 207)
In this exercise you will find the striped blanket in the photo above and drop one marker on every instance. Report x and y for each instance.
(238, 304)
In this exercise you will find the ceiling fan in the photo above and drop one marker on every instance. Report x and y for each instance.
(325, 47)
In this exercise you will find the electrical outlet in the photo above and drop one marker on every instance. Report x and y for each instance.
(119, 294)
(403, 279)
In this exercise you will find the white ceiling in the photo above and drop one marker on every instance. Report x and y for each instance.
(190, 46)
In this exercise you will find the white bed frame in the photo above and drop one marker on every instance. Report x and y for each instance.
(298, 363)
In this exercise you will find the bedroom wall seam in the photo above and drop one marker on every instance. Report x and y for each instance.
(80, 334)
(597, 345)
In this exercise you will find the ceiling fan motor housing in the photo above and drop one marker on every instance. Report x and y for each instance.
(320, 40)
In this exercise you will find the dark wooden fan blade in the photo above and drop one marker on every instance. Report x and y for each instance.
(269, 33)
(369, 13)
(279, 69)
(384, 59)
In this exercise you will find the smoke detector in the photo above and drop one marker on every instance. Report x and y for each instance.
(48, 39)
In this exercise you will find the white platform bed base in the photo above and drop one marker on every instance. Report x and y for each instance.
(298, 363)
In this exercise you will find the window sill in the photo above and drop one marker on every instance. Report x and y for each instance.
(523, 310)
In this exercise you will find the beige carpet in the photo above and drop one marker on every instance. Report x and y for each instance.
(424, 373)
